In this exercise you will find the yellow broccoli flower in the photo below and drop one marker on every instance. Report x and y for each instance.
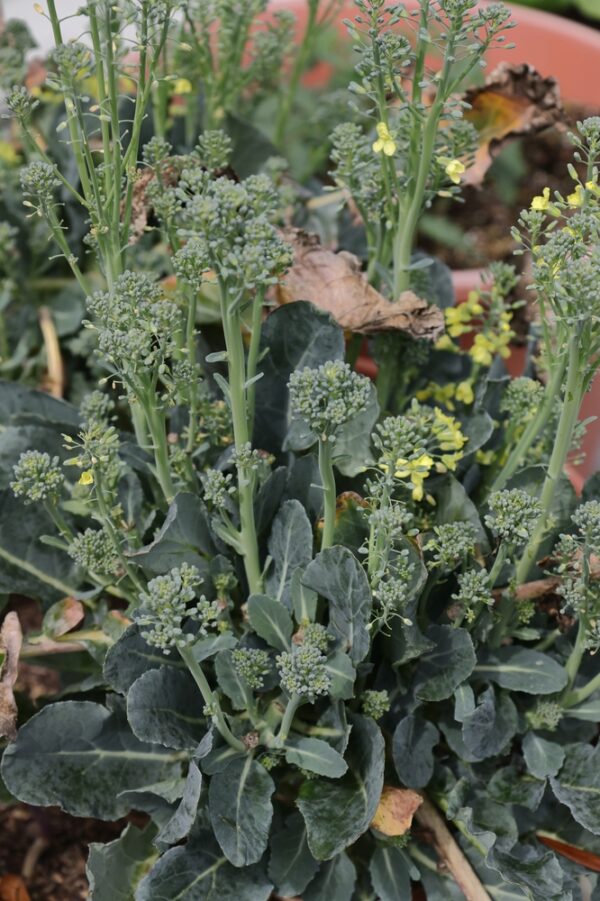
(485, 458)
(454, 170)
(385, 141)
(593, 187)
(445, 343)
(542, 202)
(447, 431)
(182, 86)
(464, 392)
(86, 478)
(577, 198)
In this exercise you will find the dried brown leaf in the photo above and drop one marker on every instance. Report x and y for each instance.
(514, 101)
(12, 888)
(11, 639)
(334, 282)
(396, 809)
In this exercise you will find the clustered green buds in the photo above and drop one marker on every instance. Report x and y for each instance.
(93, 550)
(513, 515)
(451, 543)
(168, 603)
(587, 520)
(545, 715)
(521, 399)
(315, 635)
(375, 703)
(39, 181)
(96, 407)
(252, 664)
(474, 592)
(218, 488)
(214, 149)
(37, 477)
(326, 398)
(302, 672)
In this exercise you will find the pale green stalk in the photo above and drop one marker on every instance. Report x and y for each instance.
(210, 699)
(329, 491)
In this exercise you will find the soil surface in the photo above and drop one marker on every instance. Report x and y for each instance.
(522, 170)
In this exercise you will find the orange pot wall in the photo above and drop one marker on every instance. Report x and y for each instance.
(554, 46)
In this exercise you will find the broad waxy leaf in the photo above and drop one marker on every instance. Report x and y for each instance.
(335, 881)
(131, 656)
(337, 575)
(412, 749)
(521, 669)
(184, 537)
(578, 785)
(389, 874)
(509, 786)
(442, 669)
(240, 810)
(342, 675)
(316, 756)
(337, 813)
(295, 336)
(19, 403)
(290, 546)
(230, 682)
(291, 865)
(488, 729)
(80, 756)
(199, 872)
(271, 620)
(531, 868)
(165, 706)
(114, 869)
(543, 758)
(178, 827)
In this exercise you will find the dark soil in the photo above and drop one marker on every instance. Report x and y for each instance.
(522, 170)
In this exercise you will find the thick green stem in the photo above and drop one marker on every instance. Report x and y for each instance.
(562, 446)
(329, 491)
(253, 354)
(580, 694)
(113, 534)
(518, 455)
(211, 700)
(288, 718)
(300, 62)
(156, 424)
(232, 328)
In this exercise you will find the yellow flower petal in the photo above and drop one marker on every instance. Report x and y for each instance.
(86, 478)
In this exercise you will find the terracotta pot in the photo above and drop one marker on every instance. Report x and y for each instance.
(554, 46)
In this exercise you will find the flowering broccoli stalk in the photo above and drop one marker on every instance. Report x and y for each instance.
(168, 605)
(326, 399)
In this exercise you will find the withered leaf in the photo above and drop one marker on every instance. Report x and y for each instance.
(514, 101)
(11, 639)
(62, 617)
(396, 809)
(334, 282)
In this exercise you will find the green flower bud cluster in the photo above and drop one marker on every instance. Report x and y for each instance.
(587, 519)
(233, 222)
(357, 169)
(521, 399)
(94, 551)
(270, 48)
(21, 103)
(451, 544)
(136, 325)
(37, 477)
(545, 715)
(315, 635)
(328, 397)
(473, 592)
(252, 665)
(156, 152)
(393, 591)
(513, 515)
(8, 248)
(214, 149)
(303, 672)
(39, 182)
(169, 602)
(375, 703)
(97, 451)
(96, 407)
(185, 262)
(73, 61)
(218, 488)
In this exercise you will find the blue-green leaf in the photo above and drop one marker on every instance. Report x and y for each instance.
(80, 756)
(412, 749)
(291, 865)
(290, 546)
(448, 663)
(390, 874)
(521, 669)
(337, 575)
(335, 881)
(164, 706)
(337, 813)
(316, 756)
(114, 869)
(578, 785)
(271, 620)
(240, 809)
(543, 758)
